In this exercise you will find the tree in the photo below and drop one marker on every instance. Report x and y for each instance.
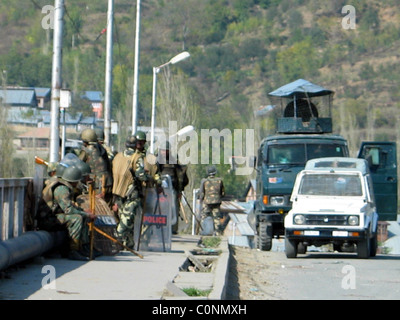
(6, 144)
(298, 61)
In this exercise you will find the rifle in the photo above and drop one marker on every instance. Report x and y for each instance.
(41, 161)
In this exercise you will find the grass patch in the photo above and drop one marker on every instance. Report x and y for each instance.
(211, 242)
(194, 292)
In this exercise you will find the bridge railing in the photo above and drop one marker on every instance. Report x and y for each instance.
(13, 207)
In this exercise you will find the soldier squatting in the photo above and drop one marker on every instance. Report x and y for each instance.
(120, 180)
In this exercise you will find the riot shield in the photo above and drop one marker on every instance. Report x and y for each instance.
(154, 221)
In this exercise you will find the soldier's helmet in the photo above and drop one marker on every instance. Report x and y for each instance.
(84, 167)
(70, 159)
(60, 169)
(130, 143)
(140, 135)
(72, 174)
(100, 134)
(211, 170)
(89, 135)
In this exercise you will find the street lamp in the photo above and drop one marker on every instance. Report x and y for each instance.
(182, 56)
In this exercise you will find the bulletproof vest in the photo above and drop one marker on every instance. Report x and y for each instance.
(212, 190)
(47, 205)
(121, 174)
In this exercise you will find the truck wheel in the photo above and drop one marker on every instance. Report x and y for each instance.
(363, 248)
(301, 248)
(373, 246)
(264, 236)
(290, 248)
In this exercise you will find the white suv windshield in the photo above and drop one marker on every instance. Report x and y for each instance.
(331, 185)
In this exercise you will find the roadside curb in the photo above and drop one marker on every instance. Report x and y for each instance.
(215, 280)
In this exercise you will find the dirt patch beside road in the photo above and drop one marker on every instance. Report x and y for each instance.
(316, 275)
(251, 275)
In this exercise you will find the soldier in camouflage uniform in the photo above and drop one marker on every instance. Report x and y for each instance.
(150, 161)
(128, 175)
(100, 140)
(96, 157)
(211, 192)
(57, 210)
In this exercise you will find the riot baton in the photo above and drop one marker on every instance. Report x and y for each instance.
(191, 210)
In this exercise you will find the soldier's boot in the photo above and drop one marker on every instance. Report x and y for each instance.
(85, 251)
(74, 253)
(175, 228)
(130, 242)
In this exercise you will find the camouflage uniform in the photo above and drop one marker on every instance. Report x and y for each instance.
(96, 157)
(127, 190)
(57, 210)
(211, 192)
(100, 140)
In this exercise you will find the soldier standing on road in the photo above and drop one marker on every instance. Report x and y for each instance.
(128, 175)
(58, 210)
(211, 192)
(150, 162)
(167, 165)
(96, 157)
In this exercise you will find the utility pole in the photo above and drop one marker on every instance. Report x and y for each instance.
(136, 71)
(109, 73)
(56, 81)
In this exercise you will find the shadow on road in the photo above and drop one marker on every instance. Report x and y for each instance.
(341, 255)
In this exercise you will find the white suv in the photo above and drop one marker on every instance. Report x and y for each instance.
(333, 202)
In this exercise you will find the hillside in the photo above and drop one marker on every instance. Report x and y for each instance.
(240, 51)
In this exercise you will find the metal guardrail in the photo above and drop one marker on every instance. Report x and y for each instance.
(12, 199)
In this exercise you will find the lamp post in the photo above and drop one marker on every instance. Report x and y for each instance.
(136, 71)
(182, 56)
(56, 80)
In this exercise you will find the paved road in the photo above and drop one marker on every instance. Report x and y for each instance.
(121, 277)
(322, 276)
